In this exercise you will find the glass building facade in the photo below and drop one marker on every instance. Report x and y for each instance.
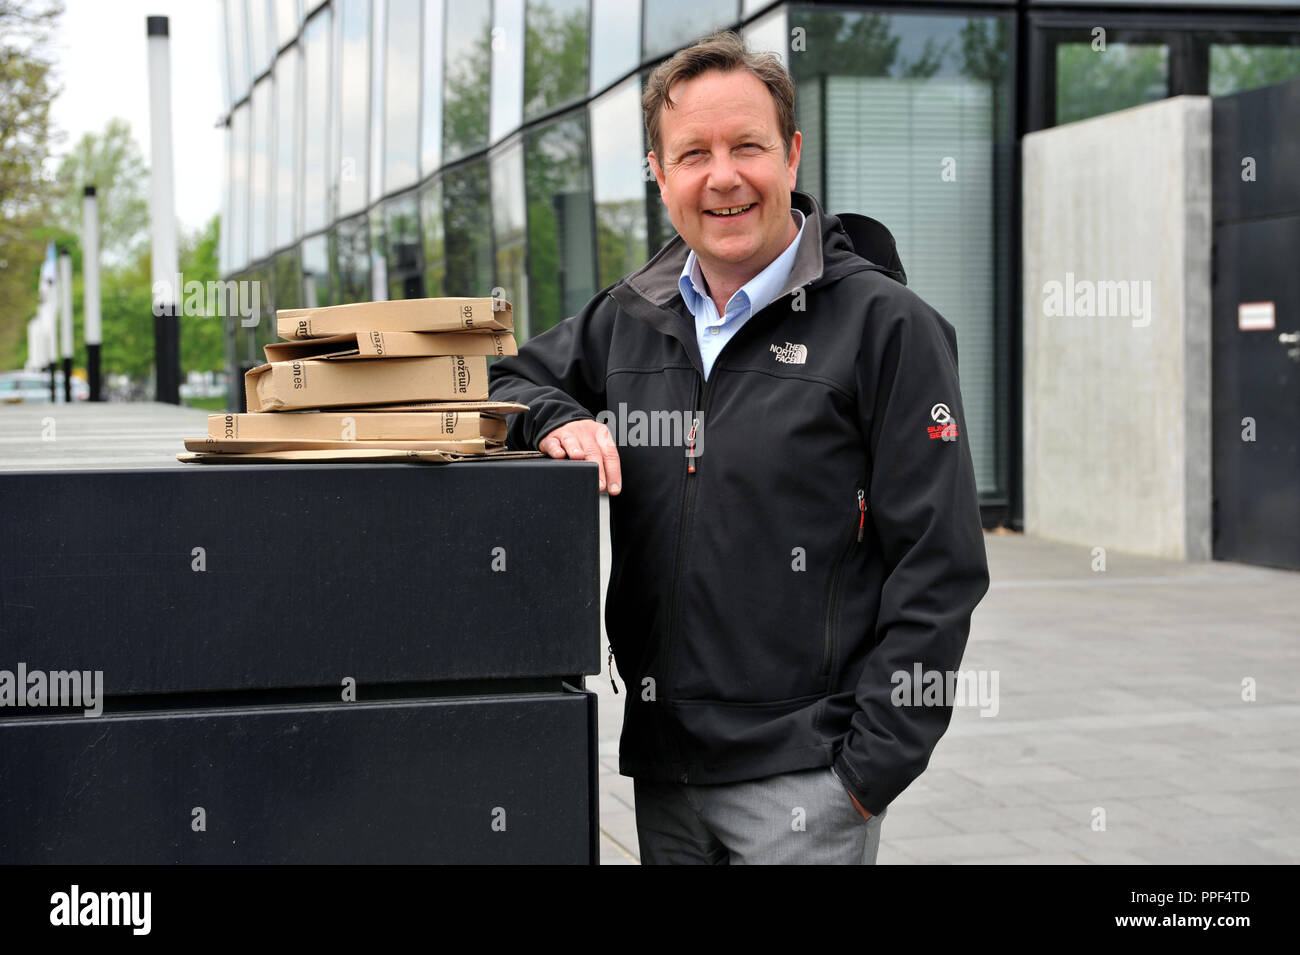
(383, 149)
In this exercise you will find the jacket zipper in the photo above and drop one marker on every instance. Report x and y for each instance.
(688, 502)
(833, 604)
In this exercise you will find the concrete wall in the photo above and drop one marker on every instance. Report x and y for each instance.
(1117, 406)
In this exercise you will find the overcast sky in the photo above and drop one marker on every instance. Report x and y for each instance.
(103, 67)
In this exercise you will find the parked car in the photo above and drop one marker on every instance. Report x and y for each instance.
(33, 387)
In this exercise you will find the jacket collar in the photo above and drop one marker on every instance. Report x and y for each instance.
(826, 253)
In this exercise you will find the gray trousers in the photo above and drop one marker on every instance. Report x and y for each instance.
(800, 818)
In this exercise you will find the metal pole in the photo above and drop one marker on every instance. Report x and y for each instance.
(162, 212)
(65, 323)
(90, 292)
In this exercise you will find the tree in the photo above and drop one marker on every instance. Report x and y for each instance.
(111, 162)
(26, 90)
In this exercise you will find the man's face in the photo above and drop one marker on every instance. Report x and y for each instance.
(722, 151)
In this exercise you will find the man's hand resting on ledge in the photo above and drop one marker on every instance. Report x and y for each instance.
(586, 440)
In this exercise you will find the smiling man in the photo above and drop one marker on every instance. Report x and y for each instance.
(765, 595)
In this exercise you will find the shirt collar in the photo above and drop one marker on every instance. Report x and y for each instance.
(754, 294)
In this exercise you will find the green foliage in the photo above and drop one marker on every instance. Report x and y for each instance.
(26, 91)
(1237, 68)
(1092, 82)
(555, 55)
(111, 162)
(465, 106)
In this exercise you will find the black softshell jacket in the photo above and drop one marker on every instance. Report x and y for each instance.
(827, 539)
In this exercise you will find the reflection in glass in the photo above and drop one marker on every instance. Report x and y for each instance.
(435, 267)
(287, 285)
(431, 81)
(259, 36)
(561, 251)
(316, 37)
(466, 217)
(770, 34)
(507, 67)
(378, 32)
(350, 261)
(404, 265)
(508, 231)
(351, 106)
(618, 180)
(315, 273)
(1237, 67)
(237, 46)
(260, 172)
(238, 222)
(670, 24)
(402, 99)
(286, 21)
(287, 119)
(467, 56)
(1090, 82)
(615, 40)
(909, 119)
(555, 54)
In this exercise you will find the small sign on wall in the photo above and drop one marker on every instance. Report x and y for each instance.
(1255, 317)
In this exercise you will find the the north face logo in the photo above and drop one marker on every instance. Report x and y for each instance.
(791, 354)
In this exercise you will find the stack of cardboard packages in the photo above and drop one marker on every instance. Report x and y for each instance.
(407, 375)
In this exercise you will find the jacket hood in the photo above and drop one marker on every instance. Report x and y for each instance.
(849, 243)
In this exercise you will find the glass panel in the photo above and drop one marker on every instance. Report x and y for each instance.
(351, 103)
(561, 250)
(431, 81)
(435, 267)
(615, 40)
(404, 261)
(466, 216)
(402, 101)
(315, 272)
(378, 259)
(1091, 82)
(316, 36)
(659, 228)
(259, 35)
(508, 231)
(618, 178)
(286, 21)
(378, 32)
(555, 54)
(287, 272)
(223, 57)
(918, 134)
(350, 261)
(467, 54)
(260, 172)
(237, 44)
(771, 35)
(671, 24)
(239, 147)
(1236, 67)
(507, 67)
(286, 147)
(223, 236)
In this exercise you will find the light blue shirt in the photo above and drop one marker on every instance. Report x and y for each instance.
(714, 331)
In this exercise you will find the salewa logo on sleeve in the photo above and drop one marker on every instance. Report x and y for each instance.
(791, 353)
(946, 427)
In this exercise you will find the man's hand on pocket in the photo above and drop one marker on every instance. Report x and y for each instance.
(587, 440)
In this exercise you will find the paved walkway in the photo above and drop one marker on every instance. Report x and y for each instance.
(1119, 690)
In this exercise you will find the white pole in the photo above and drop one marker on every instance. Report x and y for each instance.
(162, 212)
(90, 291)
(65, 322)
